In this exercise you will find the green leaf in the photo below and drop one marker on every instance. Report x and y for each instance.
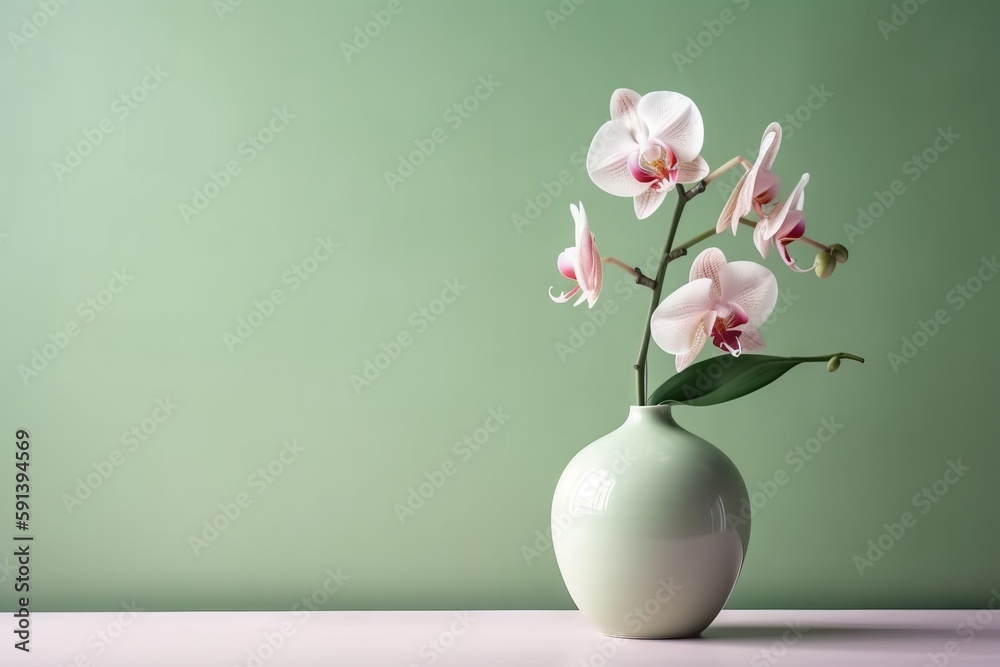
(725, 378)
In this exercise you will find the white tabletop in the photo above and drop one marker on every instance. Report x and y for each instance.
(508, 638)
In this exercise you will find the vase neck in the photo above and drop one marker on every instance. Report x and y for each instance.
(651, 413)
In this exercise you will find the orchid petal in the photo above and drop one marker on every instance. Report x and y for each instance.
(789, 261)
(678, 318)
(682, 361)
(593, 294)
(708, 264)
(752, 287)
(624, 108)
(650, 200)
(728, 217)
(708, 322)
(762, 242)
(794, 223)
(751, 340)
(567, 263)
(675, 120)
(769, 144)
(692, 171)
(607, 160)
(798, 196)
(588, 266)
(744, 200)
(564, 296)
(766, 188)
(583, 262)
(796, 230)
(775, 221)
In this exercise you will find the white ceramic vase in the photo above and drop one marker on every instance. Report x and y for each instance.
(647, 531)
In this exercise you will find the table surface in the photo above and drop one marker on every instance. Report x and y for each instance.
(508, 638)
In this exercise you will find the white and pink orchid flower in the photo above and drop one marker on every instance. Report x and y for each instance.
(758, 187)
(723, 301)
(581, 263)
(783, 225)
(651, 143)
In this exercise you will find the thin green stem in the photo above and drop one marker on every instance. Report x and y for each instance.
(815, 244)
(723, 169)
(827, 357)
(635, 272)
(621, 265)
(709, 233)
(654, 300)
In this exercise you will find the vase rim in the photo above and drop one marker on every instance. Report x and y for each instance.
(637, 412)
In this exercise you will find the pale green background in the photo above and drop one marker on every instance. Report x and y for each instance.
(495, 346)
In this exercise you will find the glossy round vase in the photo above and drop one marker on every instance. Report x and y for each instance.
(646, 528)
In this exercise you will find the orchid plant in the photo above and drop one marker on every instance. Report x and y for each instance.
(650, 147)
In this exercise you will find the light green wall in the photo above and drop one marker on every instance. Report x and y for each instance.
(495, 346)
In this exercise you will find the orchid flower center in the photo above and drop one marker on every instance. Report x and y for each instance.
(654, 163)
(765, 191)
(725, 331)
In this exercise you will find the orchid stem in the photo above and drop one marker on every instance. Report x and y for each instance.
(723, 169)
(707, 234)
(700, 186)
(635, 272)
(815, 244)
(654, 300)
(621, 265)
(828, 357)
